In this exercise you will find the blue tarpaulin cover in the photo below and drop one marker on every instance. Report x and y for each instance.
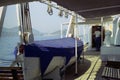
(47, 49)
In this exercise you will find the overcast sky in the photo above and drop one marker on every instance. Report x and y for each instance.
(41, 20)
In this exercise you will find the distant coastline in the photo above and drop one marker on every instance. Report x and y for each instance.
(13, 32)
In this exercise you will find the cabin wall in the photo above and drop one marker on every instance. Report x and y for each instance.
(116, 31)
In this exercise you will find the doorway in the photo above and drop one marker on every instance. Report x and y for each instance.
(94, 28)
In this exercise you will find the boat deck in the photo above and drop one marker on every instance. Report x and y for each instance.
(88, 69)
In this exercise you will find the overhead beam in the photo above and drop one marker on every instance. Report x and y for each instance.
(93, 21)
(100, 8)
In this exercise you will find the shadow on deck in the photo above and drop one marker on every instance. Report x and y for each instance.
(82, 68)
(90, 69)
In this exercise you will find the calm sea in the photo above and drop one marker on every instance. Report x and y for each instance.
(7, 45)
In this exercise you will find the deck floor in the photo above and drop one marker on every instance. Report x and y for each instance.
(89, 69)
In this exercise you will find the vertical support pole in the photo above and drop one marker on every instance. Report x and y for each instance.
(75, 32)
(2, 17)
(18, 12)
(20, 20)
(101, 31)
(28, 22)
(24, 21)
(70, 30)
(61, 31)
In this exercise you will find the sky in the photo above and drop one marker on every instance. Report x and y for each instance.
(40, 19)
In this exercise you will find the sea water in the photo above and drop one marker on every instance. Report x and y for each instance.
(8, 44)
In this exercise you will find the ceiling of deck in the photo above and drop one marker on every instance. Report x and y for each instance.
(86, 8)
(91, 8)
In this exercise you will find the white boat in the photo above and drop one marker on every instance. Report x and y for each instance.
(88, 9)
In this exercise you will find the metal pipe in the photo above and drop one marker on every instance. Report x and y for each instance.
(102, 31)
(101, 8)
(61, 31)
(18, 12)
(2, 17)
(75, 32)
